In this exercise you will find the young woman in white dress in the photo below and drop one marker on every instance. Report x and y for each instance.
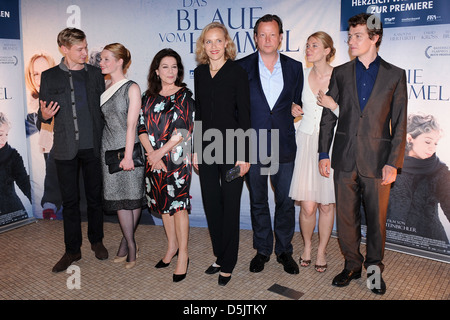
(308, 186)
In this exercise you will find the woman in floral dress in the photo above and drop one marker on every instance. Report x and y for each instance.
(165, 128)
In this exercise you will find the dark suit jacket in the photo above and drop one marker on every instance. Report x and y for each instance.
(374, 137)
(55, 86)
(262, 117)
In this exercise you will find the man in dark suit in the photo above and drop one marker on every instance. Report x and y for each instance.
(276, 81)
(70, 93)
(368, 146)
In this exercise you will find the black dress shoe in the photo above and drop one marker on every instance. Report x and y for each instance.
(100, 251)
(379, 287)
(212, 270)
(257, 263)
(344, 278)
(66, 261)
(223, 280)
(289, 264)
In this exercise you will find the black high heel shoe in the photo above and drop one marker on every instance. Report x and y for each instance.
(162, 264)
(179, 277)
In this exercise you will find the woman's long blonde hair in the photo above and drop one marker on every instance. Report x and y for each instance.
(230, 49)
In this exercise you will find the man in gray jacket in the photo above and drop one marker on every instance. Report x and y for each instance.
(70, 93)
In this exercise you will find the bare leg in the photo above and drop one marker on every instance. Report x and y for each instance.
(326, 220)
(182, 236)
(307, 224)
(172, 242)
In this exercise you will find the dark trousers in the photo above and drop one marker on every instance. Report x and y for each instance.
(351, 188)
(51, 186)
(222, 204)
(68, 182)
(284, 217)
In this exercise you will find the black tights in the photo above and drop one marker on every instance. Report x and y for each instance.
(128, 220)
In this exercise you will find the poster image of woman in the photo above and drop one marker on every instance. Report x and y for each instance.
(45, 188)
(422, 186)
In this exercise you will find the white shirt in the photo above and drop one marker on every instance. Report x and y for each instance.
(272, 83)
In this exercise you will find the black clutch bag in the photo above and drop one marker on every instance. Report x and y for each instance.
(233, 173)
(113, 158)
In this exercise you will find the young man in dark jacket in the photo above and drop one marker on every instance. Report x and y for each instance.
(70, 93)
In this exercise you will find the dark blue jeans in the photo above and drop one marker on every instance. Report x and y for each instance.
(284, 218)
(68, 173)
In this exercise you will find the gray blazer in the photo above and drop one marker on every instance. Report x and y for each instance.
(374, 137)
(56, 85)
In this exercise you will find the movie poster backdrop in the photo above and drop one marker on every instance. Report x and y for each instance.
(415, 38)
(145, 27)
(15, 186)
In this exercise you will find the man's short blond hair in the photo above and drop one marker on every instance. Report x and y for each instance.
(70, 36)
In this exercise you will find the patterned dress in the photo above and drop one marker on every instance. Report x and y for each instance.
(161, 118)
(124, 189)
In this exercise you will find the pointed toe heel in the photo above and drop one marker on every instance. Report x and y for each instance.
(180, 277)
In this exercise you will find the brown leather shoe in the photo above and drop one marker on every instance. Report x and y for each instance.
(100, 251)
(66, 261)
